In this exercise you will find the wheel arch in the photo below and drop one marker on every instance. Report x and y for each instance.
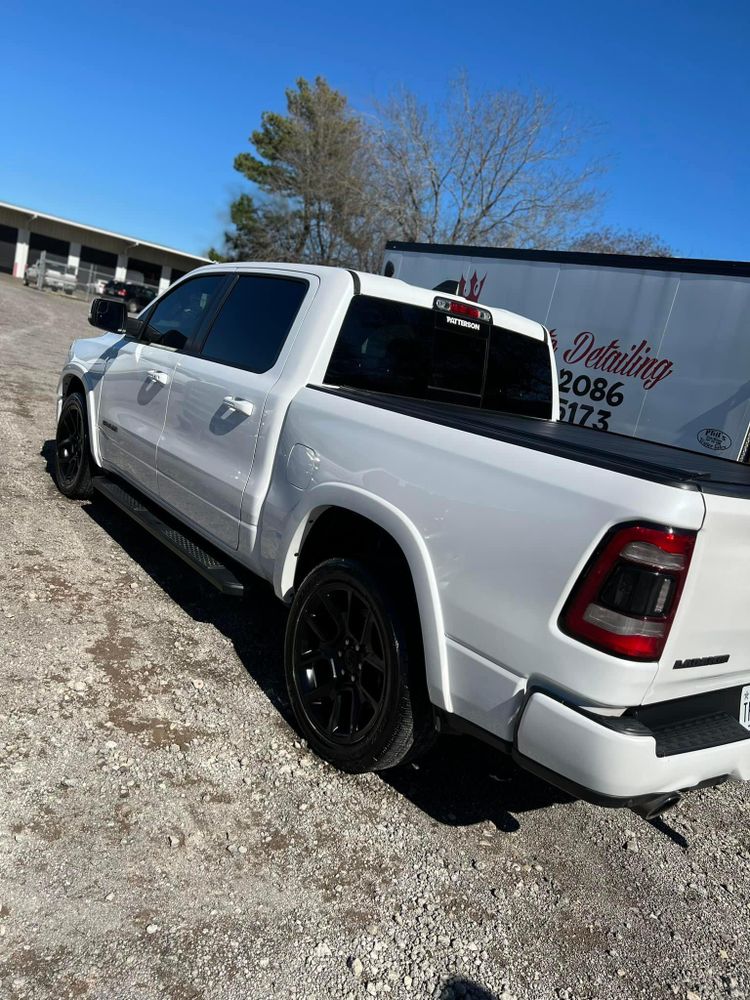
(333, 505)
(77, 380)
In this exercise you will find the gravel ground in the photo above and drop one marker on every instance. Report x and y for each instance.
(164, 832)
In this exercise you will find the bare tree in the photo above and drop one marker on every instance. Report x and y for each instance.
(497, 169)
(609, 240)
(501, 168)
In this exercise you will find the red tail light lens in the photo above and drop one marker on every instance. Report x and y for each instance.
(461, 309)
(626, 598)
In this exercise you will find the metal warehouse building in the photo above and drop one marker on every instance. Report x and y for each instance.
(25, 234)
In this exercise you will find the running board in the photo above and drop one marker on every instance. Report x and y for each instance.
(194, 551)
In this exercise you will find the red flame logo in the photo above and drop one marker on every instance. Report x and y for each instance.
(474, 289)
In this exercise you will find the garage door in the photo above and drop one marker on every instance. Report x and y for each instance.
(8, 240)
(95, 266)
(57, 250)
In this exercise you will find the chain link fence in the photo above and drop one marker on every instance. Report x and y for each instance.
(52, 273)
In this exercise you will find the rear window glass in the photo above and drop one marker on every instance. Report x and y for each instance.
(406, 350)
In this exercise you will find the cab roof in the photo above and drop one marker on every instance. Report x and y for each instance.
(394, 289)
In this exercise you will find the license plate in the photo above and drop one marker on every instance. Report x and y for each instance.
(745, 706)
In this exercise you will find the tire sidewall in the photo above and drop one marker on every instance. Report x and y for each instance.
(366, 754)
(80, 487)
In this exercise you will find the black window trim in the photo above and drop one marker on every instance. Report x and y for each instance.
(192, 345)
(207, 326)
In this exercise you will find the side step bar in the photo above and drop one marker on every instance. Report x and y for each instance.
(193, 550)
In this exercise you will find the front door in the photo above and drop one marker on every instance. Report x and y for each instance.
(137, 382)
(216, 403)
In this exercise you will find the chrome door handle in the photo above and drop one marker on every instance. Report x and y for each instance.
(156, 376)
(240, 405)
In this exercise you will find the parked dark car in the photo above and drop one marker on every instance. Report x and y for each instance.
(135, 296)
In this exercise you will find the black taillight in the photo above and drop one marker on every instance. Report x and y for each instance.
(626, 598)
(632, 590)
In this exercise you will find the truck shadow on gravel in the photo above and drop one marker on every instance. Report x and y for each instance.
(459, 782)
(462, 782)
(453, 989)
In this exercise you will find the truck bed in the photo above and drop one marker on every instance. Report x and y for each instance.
(659, 463)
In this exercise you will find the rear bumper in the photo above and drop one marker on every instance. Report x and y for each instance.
(619, 761)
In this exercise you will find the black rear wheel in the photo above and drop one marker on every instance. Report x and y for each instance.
(354, 667)
(72, 452)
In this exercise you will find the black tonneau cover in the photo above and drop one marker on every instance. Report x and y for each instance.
(650, 460)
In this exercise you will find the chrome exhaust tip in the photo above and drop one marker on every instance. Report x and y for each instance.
(649, 809)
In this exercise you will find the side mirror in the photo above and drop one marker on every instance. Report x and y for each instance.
(108, 315)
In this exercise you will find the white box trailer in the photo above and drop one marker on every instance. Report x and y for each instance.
(654, 347)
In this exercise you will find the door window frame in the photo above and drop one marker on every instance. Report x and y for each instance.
(206, 327)
(192, 347)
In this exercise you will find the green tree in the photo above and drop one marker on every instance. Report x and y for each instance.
(309, 170)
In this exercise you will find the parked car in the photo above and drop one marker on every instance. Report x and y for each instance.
(134, 296)
(97, 286)
(453, 556)
(55, 278)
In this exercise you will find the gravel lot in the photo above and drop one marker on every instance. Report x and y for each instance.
(164, 833)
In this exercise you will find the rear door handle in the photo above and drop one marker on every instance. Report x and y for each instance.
(156, 376)
(240, 405)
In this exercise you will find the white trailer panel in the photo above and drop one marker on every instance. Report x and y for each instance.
(658, 348)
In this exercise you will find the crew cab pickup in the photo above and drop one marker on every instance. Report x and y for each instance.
(453, 557)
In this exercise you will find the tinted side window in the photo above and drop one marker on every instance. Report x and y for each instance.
(381, 348)
(519, 375)
(406, 350)
(178, 316)
(253, 324)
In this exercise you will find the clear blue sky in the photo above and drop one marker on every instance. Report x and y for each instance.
(128, 116)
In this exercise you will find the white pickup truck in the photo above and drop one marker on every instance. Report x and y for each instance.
(455, 559)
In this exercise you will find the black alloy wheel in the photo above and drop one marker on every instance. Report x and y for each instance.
(354, 667)
(72, 454)
(339, 664)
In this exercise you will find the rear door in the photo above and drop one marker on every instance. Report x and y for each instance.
(217, 398)
(136, 386)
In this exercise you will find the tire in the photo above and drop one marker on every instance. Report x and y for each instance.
(133, 306)
(73, 464)
(355, 669)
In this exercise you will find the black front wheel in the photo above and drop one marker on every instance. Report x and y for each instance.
(72, 452)
(354, 667)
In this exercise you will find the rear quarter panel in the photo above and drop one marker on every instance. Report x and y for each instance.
(506, 530)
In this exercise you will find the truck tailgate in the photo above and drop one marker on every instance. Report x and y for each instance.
(713, 620)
